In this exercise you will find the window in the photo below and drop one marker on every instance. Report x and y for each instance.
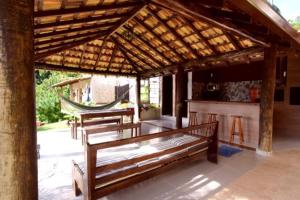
(145, 97)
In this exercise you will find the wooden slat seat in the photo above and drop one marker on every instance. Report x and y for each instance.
(135, 159)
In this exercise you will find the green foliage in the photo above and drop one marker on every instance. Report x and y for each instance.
(47, 98)
(295, 23)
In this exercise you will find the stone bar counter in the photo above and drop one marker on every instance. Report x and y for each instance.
(225, 110)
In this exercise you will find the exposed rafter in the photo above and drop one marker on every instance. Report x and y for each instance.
(174, 32)
(149, 29)
(103, 7)
(148, 44)
(112, 56)
(129, 60)
(95, 27)
(137, 47)
(65, 46)
(79, 70)
(141, 59)
(198, 62)
(100, 52)
(79, 21)
(111, 32)
(193, 11)
(72, 37)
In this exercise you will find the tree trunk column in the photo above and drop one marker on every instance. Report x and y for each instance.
(18, 155)
(179, 96)
(138, 96)
(267, 101)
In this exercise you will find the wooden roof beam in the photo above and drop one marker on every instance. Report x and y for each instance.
(174, 32)
(203, 39)
(58, 48)
(193, 11)
(45, 66)
(100, 52)
(72, 37)
(68, 11)
(72, 30)
(131, 62)
(141, 59)
(144, 52)
(82, 55)
(267, 16)
(156, 36)
(198, 62)
(148, 44)
(80, 20)
(112, 56)
(71, 45)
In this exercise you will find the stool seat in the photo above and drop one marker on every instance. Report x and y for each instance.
(237, 121)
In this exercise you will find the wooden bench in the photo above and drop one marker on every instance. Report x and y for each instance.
(108, 128)
(74, 124)
(100, 175)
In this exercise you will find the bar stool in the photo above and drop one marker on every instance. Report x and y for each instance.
(193, 118)
(237, 121)
(193, 121)
(212, 117)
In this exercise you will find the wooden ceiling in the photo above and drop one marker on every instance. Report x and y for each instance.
(150, 38)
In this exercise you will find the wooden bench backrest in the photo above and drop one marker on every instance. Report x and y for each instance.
(113, 113)
(111, 127)
(91, 152)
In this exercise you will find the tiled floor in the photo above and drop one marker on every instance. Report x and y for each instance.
(198, 180)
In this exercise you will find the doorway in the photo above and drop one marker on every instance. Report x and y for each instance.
(167, 95)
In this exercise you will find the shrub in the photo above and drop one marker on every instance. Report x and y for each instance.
(47, 98)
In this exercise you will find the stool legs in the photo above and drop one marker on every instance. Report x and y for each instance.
(241, 133)
(193, 121)
(232, 130)
(211, 118)
(237, 121)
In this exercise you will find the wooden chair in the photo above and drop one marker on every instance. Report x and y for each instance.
(236, 120)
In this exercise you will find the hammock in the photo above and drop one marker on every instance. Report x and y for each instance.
(70, 107)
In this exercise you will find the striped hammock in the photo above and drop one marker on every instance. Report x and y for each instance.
(70, 107)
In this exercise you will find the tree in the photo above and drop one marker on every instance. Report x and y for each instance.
(47, 98)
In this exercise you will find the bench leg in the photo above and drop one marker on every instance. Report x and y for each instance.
(76, 189)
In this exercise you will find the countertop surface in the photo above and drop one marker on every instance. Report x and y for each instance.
(222, 102)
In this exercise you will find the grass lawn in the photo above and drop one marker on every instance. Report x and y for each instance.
(53, 126)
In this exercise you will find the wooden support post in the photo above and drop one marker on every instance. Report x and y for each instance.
(179, 96)
(138, 96)
(18, 147)
(267, 101)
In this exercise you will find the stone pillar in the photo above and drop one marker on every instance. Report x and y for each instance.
(179, 96)
(267, 101)
(138, 96)
(18, 154)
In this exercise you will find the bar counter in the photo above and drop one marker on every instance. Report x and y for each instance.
(250, 120)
